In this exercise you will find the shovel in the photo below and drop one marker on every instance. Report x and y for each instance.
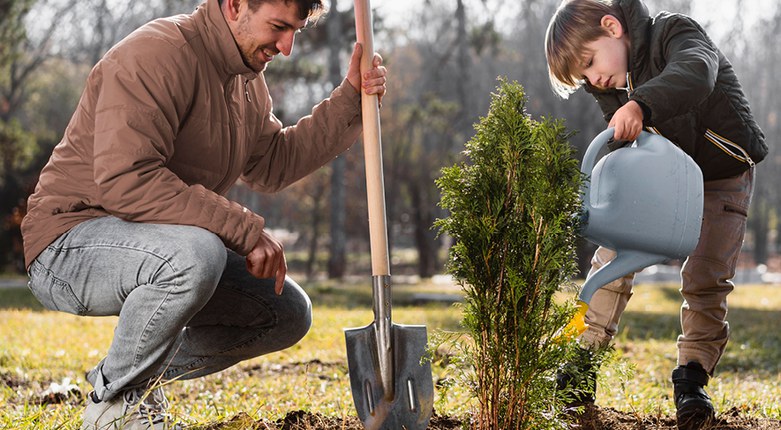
(391, 383)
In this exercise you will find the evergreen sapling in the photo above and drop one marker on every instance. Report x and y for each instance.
(513, 210)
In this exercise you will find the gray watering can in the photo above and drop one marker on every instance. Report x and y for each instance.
(644, 201)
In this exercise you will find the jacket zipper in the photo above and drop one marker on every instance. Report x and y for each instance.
(729, 147)
(629, 87)
(246, 90)
(232, 142)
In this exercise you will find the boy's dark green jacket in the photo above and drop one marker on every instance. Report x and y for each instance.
(688, 90)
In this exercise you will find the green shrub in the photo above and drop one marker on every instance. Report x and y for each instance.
(512, 217)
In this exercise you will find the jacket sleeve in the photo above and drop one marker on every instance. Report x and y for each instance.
(136, 119)
(689, 73)
(283, 155)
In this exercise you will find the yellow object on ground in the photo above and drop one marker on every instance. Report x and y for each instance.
(577, 325)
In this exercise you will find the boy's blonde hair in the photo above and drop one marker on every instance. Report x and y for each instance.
(575, 23)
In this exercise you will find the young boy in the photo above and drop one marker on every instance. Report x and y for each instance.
(664, 74)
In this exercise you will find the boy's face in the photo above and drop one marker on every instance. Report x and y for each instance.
(606, 59)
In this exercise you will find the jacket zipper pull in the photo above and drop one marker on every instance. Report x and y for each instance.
(246, 90)
(628, 88)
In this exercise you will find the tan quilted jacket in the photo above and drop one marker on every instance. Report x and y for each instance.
(170, 118)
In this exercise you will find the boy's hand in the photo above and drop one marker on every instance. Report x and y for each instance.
(373, 81)
(627, 121)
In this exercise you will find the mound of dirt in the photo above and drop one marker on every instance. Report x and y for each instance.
(592, 418)
(301, 420)
(596, 418)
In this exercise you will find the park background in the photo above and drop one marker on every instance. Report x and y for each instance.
(443, 58)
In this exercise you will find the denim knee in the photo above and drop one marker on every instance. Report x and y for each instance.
(200, 260)
(297, 313)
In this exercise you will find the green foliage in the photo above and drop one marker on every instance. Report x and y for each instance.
(17, 147)
(512, 218)
(12, 31)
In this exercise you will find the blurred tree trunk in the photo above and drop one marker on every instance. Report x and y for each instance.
(424, 235)
(462, 62)
(337, 259)
(316, 218)
(759, 224)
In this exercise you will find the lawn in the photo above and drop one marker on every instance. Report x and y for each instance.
(42, 350)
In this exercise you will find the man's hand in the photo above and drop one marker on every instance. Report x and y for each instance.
(373, 81)
(267, 260)
(628, 122)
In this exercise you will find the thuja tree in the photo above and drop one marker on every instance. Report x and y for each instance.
(512, 210)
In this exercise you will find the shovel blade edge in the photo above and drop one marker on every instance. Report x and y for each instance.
(412, 403)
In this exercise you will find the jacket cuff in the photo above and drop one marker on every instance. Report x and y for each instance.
(646, 110)
(346, 93)
(254, 228)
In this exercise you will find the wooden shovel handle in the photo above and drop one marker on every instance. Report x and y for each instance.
(372, 147)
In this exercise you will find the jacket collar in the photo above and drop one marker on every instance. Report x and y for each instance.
(638, 21)
(219, 42)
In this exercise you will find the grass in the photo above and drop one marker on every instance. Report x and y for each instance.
(39, 348)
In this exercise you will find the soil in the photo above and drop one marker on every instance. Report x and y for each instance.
(593, 418)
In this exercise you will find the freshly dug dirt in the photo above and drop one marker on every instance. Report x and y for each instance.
(593, 418)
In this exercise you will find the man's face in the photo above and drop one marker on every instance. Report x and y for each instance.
(265, 32)
(605, 64)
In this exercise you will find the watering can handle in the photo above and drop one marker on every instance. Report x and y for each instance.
(603, 139)
(589, 160)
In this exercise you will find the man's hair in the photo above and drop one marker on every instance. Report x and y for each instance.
(575, 24)
(307, 9)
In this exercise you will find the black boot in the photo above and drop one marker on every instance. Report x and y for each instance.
(578, 378)
(694, 408)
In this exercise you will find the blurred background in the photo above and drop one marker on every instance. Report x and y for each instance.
(443, 58)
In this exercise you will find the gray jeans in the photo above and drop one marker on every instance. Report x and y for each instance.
(705, 278)
(187, 305)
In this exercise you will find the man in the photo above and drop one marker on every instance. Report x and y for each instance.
(129, 217)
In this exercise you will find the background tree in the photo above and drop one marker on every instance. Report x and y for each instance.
(337, 251)
(443, 57)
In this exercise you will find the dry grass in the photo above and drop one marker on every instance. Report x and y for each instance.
(40, 348)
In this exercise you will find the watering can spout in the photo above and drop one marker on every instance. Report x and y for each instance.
(626, 262)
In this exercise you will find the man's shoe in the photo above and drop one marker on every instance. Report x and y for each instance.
(694, 407)
(137, 409)
(578, 379)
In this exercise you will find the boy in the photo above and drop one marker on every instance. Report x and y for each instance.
(664, 74)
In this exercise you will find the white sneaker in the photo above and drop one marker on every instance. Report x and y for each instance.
(137, 409)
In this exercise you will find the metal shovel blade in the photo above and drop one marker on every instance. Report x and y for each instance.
(410, 404)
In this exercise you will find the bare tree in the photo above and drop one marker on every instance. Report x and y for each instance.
(337, 255)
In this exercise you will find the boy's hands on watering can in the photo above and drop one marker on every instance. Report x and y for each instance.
(627, 121)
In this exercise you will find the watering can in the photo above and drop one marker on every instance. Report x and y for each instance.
(644, 201)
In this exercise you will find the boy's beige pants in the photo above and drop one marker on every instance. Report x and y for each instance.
(705, 278)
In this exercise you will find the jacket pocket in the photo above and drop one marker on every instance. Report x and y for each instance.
(53, 293)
